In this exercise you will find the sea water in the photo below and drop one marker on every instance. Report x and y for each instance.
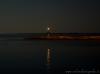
(30, 56)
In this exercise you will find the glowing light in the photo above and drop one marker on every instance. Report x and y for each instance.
(48, 28)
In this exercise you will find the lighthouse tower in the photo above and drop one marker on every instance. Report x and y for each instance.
(50, 28)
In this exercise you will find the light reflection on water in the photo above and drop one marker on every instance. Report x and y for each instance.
(30, 56)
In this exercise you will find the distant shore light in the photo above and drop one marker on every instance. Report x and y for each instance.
(48, 28)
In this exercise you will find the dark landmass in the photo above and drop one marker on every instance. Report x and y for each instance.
(51, 36)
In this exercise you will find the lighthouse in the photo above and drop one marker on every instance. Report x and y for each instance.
(50, 28)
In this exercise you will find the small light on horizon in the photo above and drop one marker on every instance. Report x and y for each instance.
(48, 28)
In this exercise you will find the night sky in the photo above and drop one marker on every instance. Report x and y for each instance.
(33, 16)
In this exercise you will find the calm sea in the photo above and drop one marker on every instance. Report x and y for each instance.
(31, 56)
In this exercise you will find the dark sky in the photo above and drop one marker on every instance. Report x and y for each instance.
(35, 15)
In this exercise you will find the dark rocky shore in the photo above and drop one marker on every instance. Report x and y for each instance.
(51, 36)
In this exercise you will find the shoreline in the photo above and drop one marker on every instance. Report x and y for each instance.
(65, 38)
(51, 36)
